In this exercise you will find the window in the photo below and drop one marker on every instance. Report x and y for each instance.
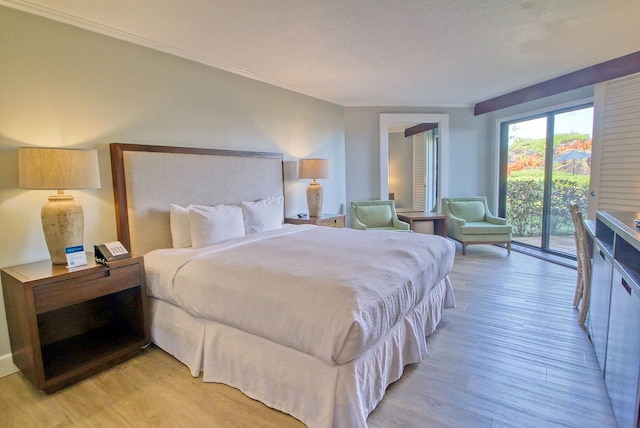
(545, 165)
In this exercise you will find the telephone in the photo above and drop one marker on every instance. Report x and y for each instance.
(110, 251)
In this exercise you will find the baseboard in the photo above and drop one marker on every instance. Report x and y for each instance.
(6, 365)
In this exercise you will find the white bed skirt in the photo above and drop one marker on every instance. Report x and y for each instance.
(319, 395)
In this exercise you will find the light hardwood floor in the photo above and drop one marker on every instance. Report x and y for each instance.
(510, 355)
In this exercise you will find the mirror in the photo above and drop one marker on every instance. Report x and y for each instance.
(395, 148)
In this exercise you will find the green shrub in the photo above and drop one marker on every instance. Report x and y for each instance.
(525, 195)
(524, 206)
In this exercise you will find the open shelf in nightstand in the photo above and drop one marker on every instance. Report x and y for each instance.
(74, 336)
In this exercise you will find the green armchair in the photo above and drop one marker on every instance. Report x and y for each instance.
(470, 222)
(376, 215)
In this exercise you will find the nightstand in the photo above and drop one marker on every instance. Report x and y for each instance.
(68, 324)
(328, 220)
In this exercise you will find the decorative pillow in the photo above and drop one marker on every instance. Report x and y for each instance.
(179, 224)
(263, 215)
(212, 225)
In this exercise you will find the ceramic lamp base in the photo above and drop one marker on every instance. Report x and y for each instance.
(63, 226)
(314, 199)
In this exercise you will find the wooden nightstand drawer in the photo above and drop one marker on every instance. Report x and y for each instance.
(326, 220)
(331, 222)
(64, 293)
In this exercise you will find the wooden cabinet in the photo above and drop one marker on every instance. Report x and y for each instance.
(67, 324)
(622, 371)
(614, 312)
(598, 323)
(327, 220)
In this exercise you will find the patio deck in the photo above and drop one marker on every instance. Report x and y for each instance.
(563, 243)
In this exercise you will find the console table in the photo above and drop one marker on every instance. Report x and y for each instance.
(426, 222)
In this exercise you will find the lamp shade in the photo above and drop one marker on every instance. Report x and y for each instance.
(313, 168)
(58, 169)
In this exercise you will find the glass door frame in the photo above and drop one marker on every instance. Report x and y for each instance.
(548, 168)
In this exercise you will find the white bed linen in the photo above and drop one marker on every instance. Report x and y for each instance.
(320, 395)
(330, 293)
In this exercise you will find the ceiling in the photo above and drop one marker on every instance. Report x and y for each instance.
(372, 53)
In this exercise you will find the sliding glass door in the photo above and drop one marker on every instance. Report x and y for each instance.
(545, 167)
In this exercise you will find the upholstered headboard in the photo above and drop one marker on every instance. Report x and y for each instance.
(146, 179)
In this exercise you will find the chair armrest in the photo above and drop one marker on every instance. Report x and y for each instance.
(399, 224)
(357, 224)
(455, 221)
(495, 220)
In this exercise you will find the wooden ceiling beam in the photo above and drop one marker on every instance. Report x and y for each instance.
(608, 70)
(417, 129)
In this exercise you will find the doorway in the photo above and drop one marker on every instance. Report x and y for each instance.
(545, 165)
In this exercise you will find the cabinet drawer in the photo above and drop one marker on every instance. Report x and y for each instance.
(331, 222)
(59, 294)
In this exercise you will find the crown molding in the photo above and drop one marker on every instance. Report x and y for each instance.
(95, 27)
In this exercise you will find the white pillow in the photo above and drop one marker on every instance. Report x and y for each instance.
(179, 223)
(263, 215)
(212, 225)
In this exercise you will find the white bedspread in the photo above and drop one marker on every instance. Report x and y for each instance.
(330, 293)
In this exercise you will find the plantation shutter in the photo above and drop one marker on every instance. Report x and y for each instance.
(616, 159)
(419, 171)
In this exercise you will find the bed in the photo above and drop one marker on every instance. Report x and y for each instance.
(313, 321)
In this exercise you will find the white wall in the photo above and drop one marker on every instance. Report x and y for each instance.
(474, 149)
(471, 152)
(64, 86)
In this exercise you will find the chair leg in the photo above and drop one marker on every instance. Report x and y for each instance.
(464, 248)
(578, 293)
(580, 276)
(586, 297)
(508, 248)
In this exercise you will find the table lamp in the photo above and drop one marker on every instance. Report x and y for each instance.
(314, 169)
(59, 169)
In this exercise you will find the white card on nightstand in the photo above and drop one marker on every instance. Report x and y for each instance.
(75, 256)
